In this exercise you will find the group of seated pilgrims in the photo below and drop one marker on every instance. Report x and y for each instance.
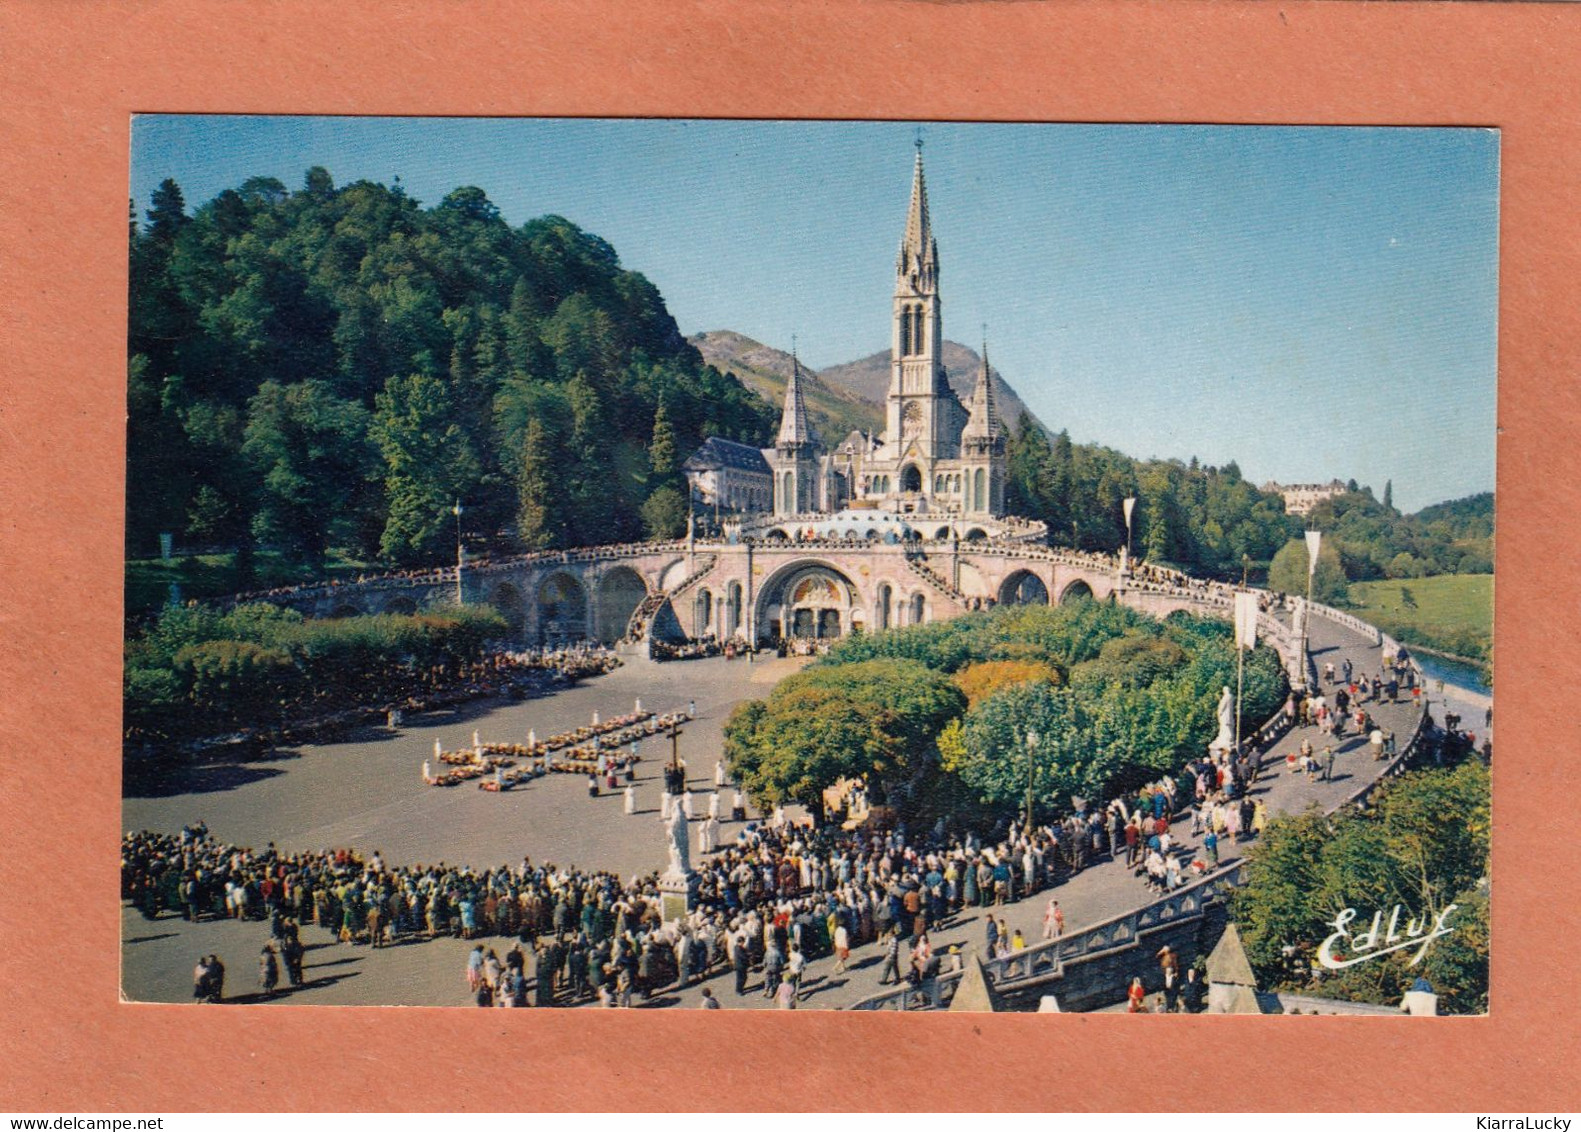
(593, 748)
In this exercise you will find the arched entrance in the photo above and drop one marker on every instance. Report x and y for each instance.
(702, 621)
(1076, 591)
(806, 601)
(508, 600)
(910, 478)
(562, 608)
(620, 591)
(346, 609)
(732, 611)
(1023, 588)
(919, 609)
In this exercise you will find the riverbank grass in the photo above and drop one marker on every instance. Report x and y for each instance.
(1452, 612)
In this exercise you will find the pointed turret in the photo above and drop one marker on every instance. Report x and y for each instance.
(919, 252)
(794, 429)
(794, 455)
(983, 422)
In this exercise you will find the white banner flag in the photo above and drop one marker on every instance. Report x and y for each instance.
(1130, 505)
(1314, 543)
(1246, 620)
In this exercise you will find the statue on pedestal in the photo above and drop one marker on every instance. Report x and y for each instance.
(678, 884)
(679, 844)
(1225, 739)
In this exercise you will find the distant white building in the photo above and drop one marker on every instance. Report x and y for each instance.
(729, 476)
(1302, 497)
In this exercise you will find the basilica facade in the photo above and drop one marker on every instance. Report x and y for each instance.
(937, 458)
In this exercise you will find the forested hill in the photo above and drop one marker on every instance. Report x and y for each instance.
(334, 367)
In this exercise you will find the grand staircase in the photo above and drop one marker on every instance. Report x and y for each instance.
(641, 622)
(918, 563)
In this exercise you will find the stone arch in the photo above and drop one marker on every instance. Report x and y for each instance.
(976, 534)
(562, 607)
(506, 598)
(809, 597)
(732, 610)
(346, 609)
(1077, 590)
(1023, 588)
(871, 535)
(911, 478)
(400, 604)
(917, 609)
(703, 612)
(620, 590)
(777, 535)
(942, 534)
(884, 610)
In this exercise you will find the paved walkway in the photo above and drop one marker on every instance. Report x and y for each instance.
(158, 956)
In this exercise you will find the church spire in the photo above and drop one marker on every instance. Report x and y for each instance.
(983, 423)
(794, 430)
(919, 252)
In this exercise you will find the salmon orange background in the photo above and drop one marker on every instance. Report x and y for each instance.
(74, 73)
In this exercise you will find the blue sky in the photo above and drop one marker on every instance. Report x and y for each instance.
(1311, 302)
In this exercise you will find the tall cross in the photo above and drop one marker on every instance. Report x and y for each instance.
(918, 142)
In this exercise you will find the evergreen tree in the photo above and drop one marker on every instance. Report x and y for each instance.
(167, 214)
(661, 451)
(310, 449)
(429, 463)
(538, 525)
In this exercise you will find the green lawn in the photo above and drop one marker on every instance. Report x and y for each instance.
(1452, 612)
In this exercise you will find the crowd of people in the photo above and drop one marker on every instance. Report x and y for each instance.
(769, 902)
(687, 650)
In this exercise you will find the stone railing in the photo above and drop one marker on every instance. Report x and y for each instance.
(697, 575)
(920, 567)
(443, 575)
(1052, 958)
(1422, 732)
(1355, 624)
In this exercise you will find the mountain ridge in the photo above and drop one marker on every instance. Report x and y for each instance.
(849, 395)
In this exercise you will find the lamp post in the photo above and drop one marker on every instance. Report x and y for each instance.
(456, 510)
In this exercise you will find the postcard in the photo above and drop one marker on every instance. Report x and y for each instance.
(896, 566)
